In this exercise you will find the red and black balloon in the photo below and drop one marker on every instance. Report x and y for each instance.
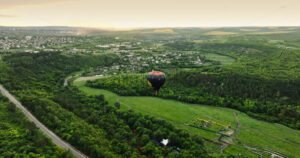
(156, 79)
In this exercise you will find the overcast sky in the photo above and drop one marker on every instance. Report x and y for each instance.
(149, 13)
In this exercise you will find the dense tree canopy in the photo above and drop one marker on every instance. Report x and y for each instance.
(89, 123)
(271, 100)
(20, 138)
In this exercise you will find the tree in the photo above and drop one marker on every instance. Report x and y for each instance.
(151, 150)
(117, 105)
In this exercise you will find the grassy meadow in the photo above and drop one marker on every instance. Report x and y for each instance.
(252, 132)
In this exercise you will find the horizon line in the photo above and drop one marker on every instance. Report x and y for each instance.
(150, 27)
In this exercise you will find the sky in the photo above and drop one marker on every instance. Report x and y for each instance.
(149, 13)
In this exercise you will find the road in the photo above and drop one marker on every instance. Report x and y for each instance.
(86, 78)
(238, 126)
(55, 139)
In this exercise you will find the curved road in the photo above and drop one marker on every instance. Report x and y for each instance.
(55, 139)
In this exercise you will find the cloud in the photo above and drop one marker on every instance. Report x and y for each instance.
(8, 16)
(9, 4)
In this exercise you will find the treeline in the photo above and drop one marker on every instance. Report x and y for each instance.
(267, 100)
(238, 47)
(254, 57)
(131, 134)
(88, 123)
(20, 138)
(52, 67)
(233, 84)
(35, 81)
(65, 124)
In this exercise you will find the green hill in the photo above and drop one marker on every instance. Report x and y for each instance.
(252, 133)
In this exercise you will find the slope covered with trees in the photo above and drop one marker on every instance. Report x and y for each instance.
(257, 97)
(20, 138)
(88, 123)
(263, 82)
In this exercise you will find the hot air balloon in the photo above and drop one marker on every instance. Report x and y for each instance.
(156, 79)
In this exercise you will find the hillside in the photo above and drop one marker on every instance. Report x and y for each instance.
(19, 137)
(251, 133)
(228, 92)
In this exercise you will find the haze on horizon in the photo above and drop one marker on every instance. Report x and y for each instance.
(154, 13)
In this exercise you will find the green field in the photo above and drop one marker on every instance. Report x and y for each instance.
(223, 59)
(252, 133)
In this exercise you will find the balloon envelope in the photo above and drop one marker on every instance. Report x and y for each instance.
(156, 79)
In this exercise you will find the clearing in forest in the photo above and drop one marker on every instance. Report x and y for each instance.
(252, 132)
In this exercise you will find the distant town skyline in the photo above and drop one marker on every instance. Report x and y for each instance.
(126, 14)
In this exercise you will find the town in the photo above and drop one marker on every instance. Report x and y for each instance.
(135, 56)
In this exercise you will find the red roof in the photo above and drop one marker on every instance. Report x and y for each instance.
(156, 73)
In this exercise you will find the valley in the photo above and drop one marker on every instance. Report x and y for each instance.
(228, 92)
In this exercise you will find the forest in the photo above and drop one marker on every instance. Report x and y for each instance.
(88, 123)
(240, 75)
(20, 138)
(259, 98)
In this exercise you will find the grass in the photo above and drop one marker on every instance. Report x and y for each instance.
(274, 32)
(235, 149)
(220, 33)
(109, 96)
(163, 31)
(252, 133)
(269, 135)
(249, 29)
(224, 59)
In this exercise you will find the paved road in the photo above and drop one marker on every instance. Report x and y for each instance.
(55, 139)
